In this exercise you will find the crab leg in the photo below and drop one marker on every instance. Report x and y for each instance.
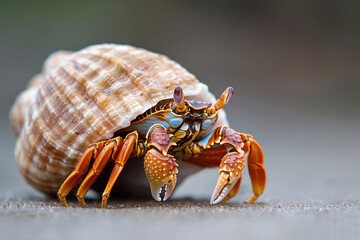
(76, 175)
(128, 147)
(232, 164)
(211, 157)
(110, 150)
(91, 152)
(231, 169)
(160, 167)
(256, 170)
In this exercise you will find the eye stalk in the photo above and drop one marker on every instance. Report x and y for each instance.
(179, 99)
(222, 101)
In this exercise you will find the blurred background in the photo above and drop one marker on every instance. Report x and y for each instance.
(294, 65)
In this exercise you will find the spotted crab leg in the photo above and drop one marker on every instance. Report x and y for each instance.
(231, 169)
(232, 164)
(212, 157)
(101, 151)
(160, 167)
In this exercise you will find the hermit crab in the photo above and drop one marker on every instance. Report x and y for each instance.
(112, 107)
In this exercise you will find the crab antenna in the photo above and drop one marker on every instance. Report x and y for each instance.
(179, 99)
(222, 101)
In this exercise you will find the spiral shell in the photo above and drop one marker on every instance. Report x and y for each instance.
(85, 97)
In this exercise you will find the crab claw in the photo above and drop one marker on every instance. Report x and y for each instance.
(231, 168)
(161, 172)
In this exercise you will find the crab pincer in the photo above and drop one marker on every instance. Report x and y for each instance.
(233, 163)
(161, 172)
(230, 173)
(160, 167)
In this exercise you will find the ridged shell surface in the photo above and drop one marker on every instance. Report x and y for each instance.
(85, 97)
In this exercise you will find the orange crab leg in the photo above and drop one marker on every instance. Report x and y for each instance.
(256, 170)
(210, 157)
(240, 144)
(231, 169)
(234, 146)
(121, 159)
(82, 166)
(99, 164)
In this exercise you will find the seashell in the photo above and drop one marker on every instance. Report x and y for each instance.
(85, 97)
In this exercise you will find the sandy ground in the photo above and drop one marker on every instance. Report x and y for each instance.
(33, 218)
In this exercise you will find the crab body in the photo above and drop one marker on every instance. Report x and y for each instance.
(183, 129)
(98, 109)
